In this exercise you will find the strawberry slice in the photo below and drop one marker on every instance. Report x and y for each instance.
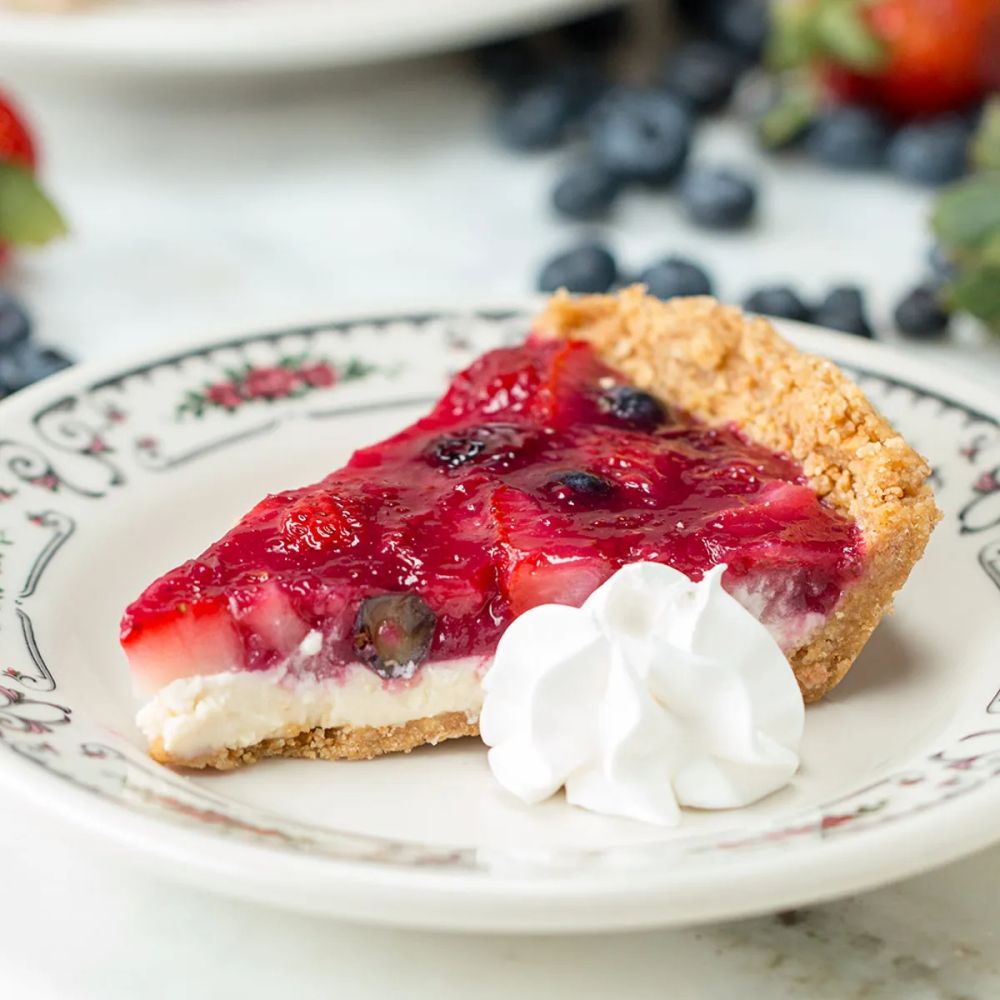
(185, 641)
(541, 562)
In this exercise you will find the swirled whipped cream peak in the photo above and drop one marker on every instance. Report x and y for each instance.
(659, 692)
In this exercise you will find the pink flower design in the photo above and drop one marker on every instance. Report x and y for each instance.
(224, 394)
(48, 481)
(5, 494)
(987, 483)
(319, 375)
(97, 446)
(269, 383)
(146, 444)
(114, 415)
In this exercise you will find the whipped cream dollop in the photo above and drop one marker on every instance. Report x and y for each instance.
(658, 693)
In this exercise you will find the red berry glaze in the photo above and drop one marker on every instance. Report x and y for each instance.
(537, 475)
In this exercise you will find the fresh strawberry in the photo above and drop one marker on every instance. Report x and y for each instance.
(911, 58)
(16, 143)
(27, 216)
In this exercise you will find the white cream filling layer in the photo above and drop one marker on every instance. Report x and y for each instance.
(199, 715)
(194, 716)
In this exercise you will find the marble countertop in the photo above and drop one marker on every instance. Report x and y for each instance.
(201, 207)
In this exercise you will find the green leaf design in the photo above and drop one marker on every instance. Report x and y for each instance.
(27, 215)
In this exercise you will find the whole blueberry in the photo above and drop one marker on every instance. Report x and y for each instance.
(641, 135)
(703, 73)
(919, 314)
(28, 363)
(844, 309)
(536, 117)
(586, 190)
(539, 115)
(849, 137)
(777, 300)
(635, 406)
(742, 24)
(510, 64)
(586, 268)
(931, 152)
(583, 484)
(393, 633)
(718, 198)
(15, 324)
(675, 276)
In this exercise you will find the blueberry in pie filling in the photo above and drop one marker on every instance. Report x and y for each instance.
(357, 616)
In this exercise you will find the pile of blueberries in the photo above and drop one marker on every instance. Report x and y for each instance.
(22, 360)
(556, 89)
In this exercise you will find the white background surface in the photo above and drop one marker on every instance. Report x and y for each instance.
(198, 208)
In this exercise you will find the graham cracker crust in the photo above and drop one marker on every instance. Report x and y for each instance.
(342, 743)
(726, 367)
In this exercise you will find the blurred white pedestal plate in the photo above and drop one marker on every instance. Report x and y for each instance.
(239, 204)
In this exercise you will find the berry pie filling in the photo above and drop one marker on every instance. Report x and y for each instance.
(379, 594)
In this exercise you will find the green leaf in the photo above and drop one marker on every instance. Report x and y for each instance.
(986, 144)
(978, 292)
(792, 40)
(27, 216)
(788, 118)
(846, 38)
(967, 214)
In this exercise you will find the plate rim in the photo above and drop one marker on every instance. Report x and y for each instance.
(409, 895)
(82, 40)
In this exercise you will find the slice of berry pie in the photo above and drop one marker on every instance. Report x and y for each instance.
(357, 616)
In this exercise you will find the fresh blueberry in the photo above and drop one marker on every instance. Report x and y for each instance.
(536, 117)
(718, 199)
(540, 115)
(849, 137)
(393, 632)
(702, 73)
(454, 452)
(777, 300)
(597, 33)
(28, 363)
(919, 314)
(743, 25)
(583, 484)
(931, 152)
(15, 325)
(636, 407)
(586, 268)
(675, 276)
(510, 65)
(844, 309)
(641, 135)
(586, 190)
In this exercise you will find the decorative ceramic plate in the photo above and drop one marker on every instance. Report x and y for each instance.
(212, 36)
(110, 476)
